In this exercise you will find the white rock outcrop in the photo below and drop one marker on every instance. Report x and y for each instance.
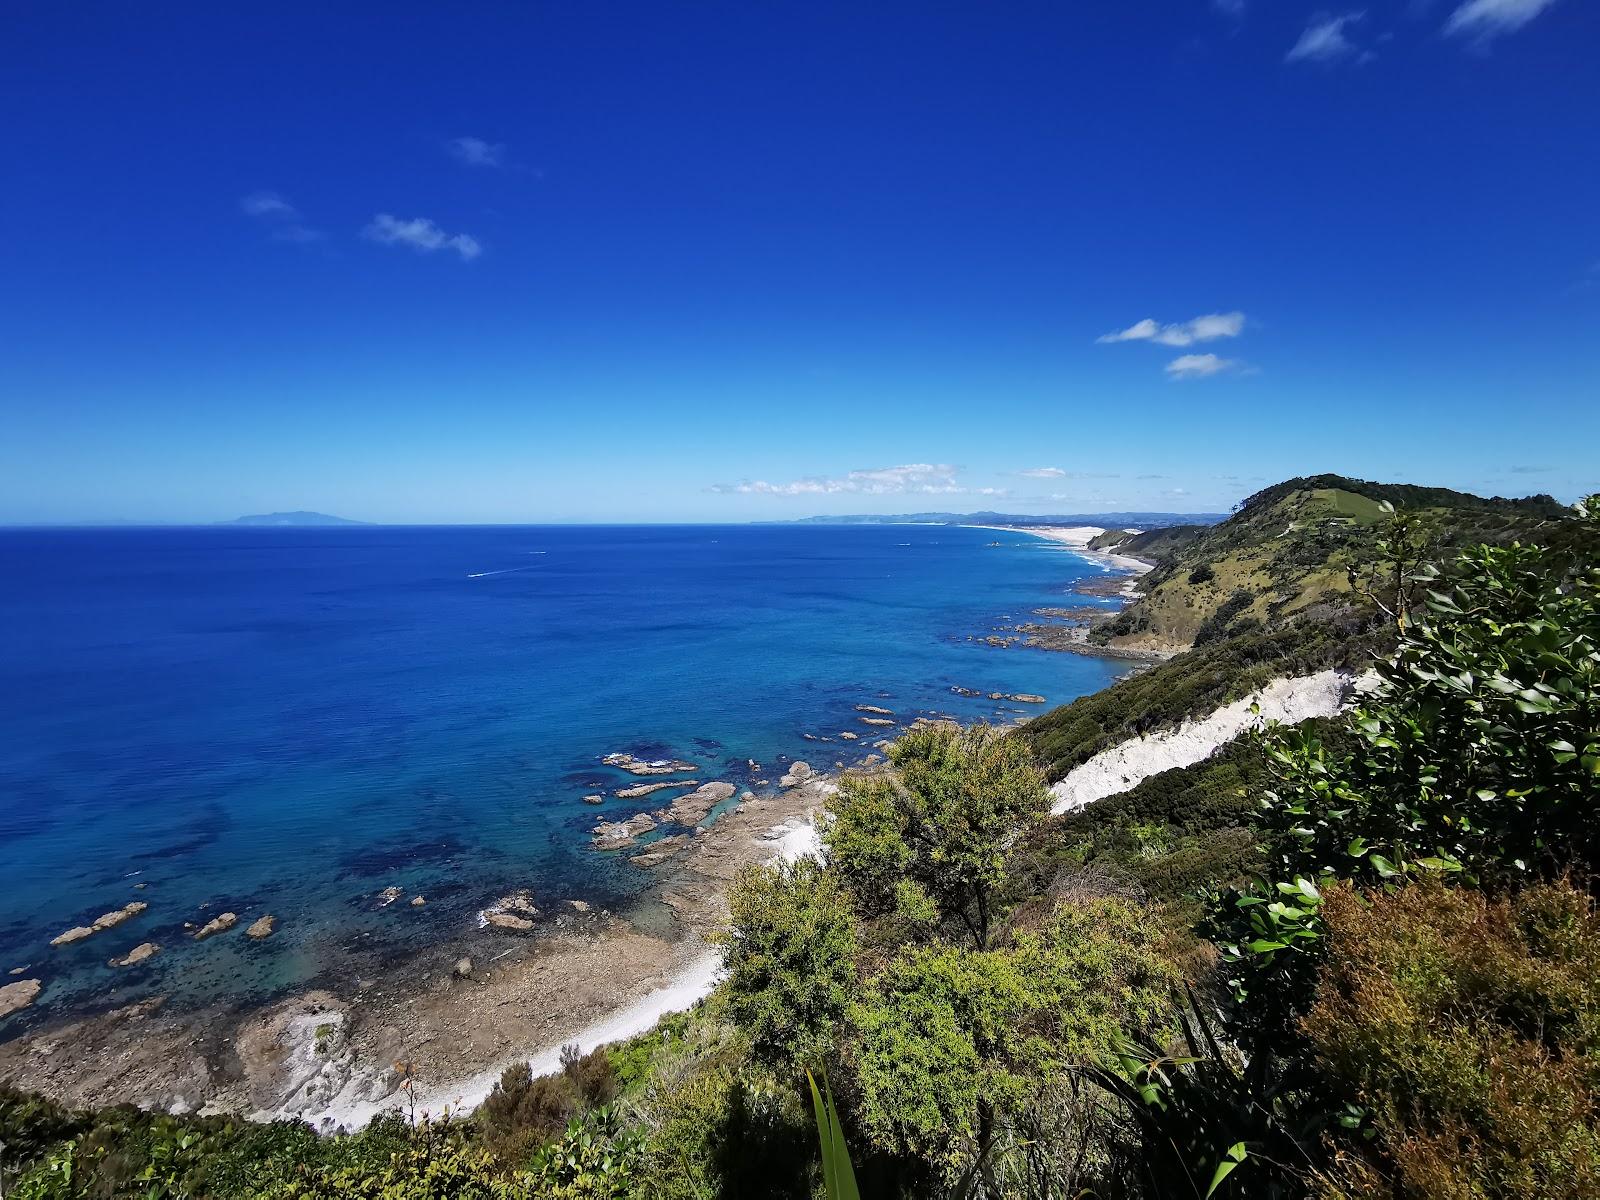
(1127, 764)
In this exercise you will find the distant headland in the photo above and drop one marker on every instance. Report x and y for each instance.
(1144, 520)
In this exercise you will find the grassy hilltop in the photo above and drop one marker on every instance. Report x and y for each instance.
(1288, 551)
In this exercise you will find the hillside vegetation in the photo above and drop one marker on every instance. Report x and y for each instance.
(1289, 552)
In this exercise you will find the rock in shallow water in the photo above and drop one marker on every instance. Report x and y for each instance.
(216, 925)
(692, 809)
(111, 920)
(639, 766)
(140, 953)
(612, 835)
(797, 774)
(15, 997)
(644, 789)
(262, 927)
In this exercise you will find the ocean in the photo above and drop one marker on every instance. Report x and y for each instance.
(291, 720)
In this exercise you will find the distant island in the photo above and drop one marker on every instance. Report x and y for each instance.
(292, 518)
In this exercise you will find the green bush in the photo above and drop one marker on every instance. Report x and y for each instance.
(790, 958)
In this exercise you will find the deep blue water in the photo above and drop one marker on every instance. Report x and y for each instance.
(290, 720)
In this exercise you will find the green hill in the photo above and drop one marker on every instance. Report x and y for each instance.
(1288, 553)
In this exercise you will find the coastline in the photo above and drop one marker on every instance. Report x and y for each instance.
(337, 1055)
(1077, 539)
(329, 1050)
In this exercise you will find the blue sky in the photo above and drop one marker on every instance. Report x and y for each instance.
(724, 261)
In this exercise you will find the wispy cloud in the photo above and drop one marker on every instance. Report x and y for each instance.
(421, 235)
(1198, 366)
(1481, 21)
(1202, 329)
(282, 219)
(1529, 470)
(914, 479)
(475, 152)
(1229, 8)
(1325, 40)
(268, 204)
(1058, 473)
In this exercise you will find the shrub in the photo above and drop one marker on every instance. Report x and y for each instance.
(790, 959)
(945, 819)
(524, 1110)
(1464, 1033)
(955, 1043)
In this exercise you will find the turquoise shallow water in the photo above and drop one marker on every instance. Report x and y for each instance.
(291, 720)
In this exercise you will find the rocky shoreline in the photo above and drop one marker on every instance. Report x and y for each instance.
(1068, 628)
(534, 971)
(536, 974)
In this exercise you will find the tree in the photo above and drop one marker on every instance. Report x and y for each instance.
(790, 957)
(945, 819)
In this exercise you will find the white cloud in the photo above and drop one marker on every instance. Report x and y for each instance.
(1325, 40)
(268, 204)
(1198, 366)
(421, 235)
(281, 217)
(1185, 333)
(1483, 20)
(1229, 8)
(1043, 473)
(914, 479)
(475, 152)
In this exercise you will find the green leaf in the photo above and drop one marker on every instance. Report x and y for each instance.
(838, 1174)
(1236, 1155)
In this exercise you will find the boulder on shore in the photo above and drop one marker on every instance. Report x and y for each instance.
(139, 954)
(215, 926)
(262, 927)
(15, 997)
(505, 920)
(797, 774)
